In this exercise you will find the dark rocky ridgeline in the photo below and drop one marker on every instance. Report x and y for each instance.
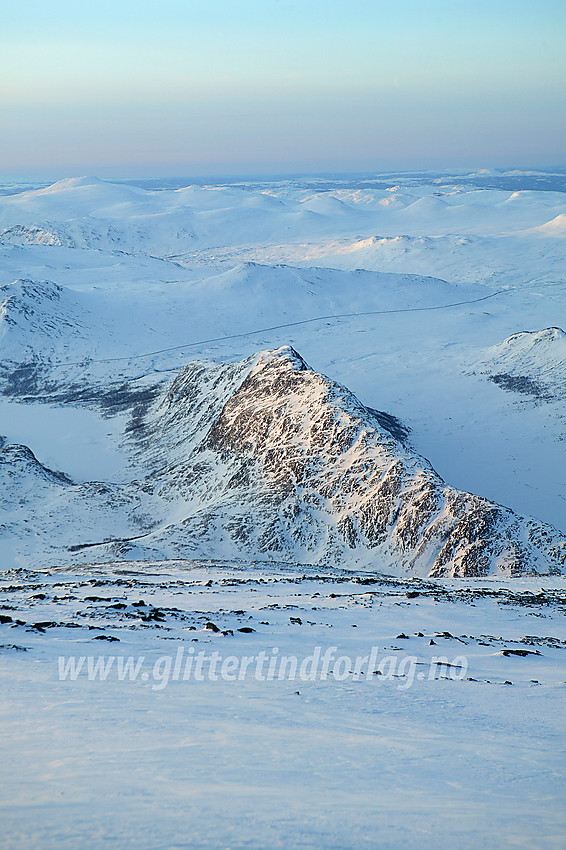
(280, 462)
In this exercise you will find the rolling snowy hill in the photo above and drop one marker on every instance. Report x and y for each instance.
(530, 362)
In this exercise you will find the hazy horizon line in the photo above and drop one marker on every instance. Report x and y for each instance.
(116, 174)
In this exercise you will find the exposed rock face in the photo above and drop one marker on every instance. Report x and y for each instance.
(21, 234)
(274, 460)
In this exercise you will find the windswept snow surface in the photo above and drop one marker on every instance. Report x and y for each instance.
(156, 405)
(414, 755)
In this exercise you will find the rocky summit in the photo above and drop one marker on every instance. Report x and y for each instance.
(276, 461)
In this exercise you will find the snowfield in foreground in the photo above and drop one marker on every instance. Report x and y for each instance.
(439, 721)
(319, 420)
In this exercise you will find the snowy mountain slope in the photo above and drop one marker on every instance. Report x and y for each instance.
(83, 269)
(530, 362)
(44, 325)
(252, 292)
(24, 478)
(91, 213)
(35, 315)
(268, 459)
(44, 512)
(295, 467)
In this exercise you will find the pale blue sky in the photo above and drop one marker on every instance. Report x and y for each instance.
(280, 85)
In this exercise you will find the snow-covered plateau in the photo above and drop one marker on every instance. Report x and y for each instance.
(314, 418)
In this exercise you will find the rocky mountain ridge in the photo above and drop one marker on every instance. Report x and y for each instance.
(266, 459)
(294, 466)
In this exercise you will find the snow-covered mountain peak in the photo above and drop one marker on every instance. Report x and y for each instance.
(285, 357)
(528, 339)
(274, 460)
